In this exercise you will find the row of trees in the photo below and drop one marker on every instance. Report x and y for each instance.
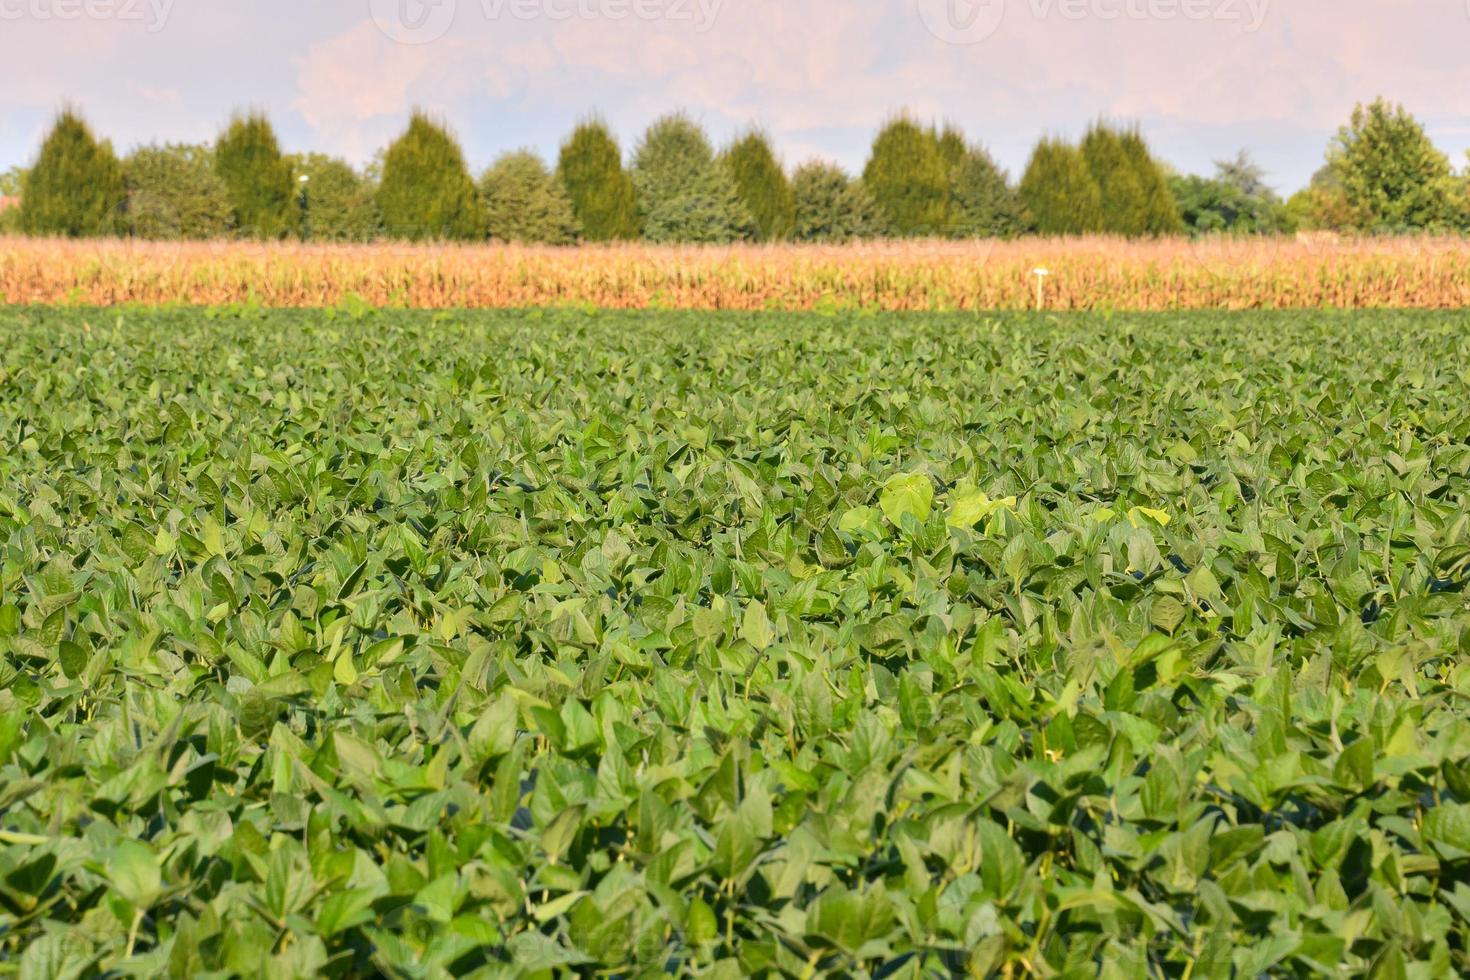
(675, 188)
(1382, 174)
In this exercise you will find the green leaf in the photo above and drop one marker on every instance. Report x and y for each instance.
(494, 732)
(1447, 827)
(755, 626)
(742, 835)
(849, 920)
(558, 835)
(343, 671)
(1167, 613)
(858, 519)
(53, 956)
(73, 659)
(344, 910)
(134, 871)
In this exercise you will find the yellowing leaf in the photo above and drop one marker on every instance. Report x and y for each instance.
(907, 493)
(969, 505)
(1157, 516)
(344, 672)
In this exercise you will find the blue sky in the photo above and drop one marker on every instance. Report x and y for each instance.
(1204, 78)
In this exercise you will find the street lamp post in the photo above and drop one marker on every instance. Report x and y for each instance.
(304, 180)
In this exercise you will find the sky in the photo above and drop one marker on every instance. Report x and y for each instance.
(1203, 78)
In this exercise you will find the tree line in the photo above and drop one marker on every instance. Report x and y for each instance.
(1382, 174)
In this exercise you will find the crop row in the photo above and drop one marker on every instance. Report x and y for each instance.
(1082, 274)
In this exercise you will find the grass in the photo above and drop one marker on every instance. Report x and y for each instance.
(351, 643)
(1086, 274)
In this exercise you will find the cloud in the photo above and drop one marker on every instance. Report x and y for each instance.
(820, 75)
(352, 88)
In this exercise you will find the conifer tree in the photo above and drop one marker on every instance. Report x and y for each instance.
(75, 187)
(982, 202)
(427, 191)
(1136, 199)
(952, 147)
(603, 200)
(1160, 212)
(1124, 205)
(762, 186)
(832, 207)
(1060, 196)
(907, 176)
(684, 195)
(258, 179)
(524, 203)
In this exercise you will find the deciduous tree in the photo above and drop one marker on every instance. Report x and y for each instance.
(1392, 177)
(174, 192)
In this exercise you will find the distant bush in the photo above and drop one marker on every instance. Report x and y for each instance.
(684, 195)
(908, 178)
(1321, 206)
(1460, 196)
(1058, 191)
(257, 178)
(523, 202)
(75, 187)
(762, 186)
(590, 168)
(12, 182)
(427, 192)
(174, 192)
(340, 204)
(1235, 200)
(832, 207)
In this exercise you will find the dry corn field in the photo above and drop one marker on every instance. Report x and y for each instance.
(1083, 274)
